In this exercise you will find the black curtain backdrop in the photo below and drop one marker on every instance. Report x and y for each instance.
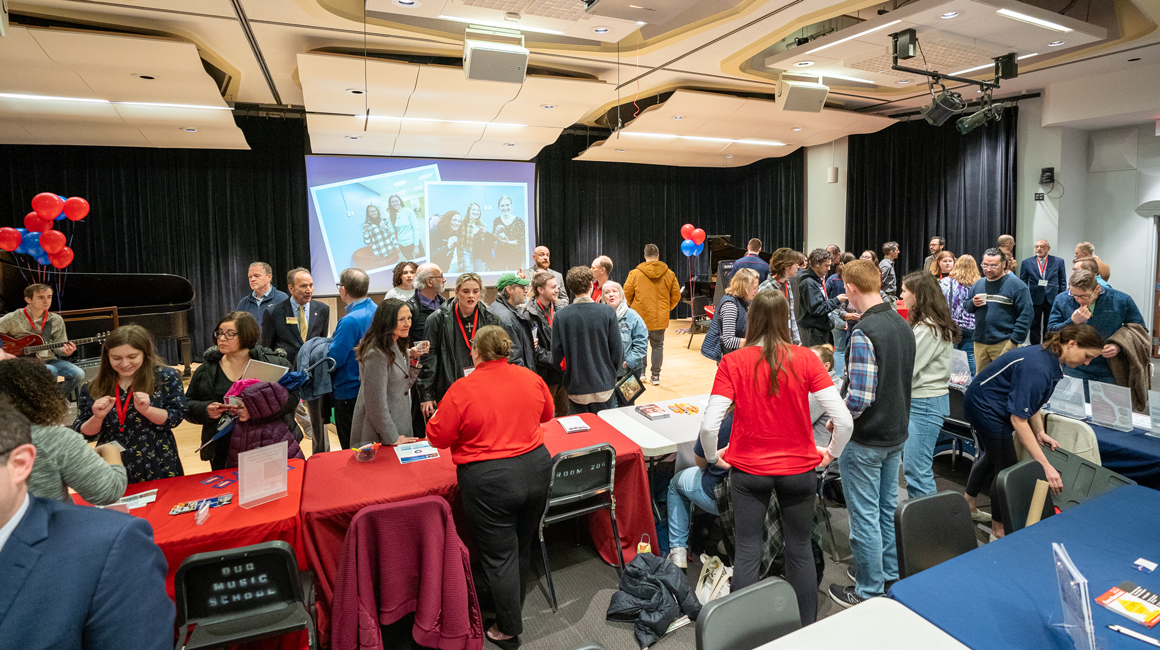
(587, 209)
(198, 213)
(913, 181)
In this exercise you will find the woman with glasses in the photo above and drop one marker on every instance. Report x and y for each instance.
(450, 332)
(236, 335)
(1103, 308)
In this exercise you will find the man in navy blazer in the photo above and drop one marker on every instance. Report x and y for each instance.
(73, 576)
(282, 326)
(1046, 278)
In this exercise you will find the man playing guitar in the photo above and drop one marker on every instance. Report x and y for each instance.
(36, 319)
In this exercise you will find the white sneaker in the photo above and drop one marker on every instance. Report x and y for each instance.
(679, 557)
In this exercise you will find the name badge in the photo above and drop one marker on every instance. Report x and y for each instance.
(290, 320)
(468, 371)
(1043, 283)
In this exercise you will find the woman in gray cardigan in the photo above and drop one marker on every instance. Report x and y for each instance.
(387, 371)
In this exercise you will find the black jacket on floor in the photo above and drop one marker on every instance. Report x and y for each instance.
(653, 593)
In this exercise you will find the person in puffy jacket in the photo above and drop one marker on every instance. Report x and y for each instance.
(260, 422)
(652, 291)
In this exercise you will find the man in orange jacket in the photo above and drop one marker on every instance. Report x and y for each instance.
(652, 291)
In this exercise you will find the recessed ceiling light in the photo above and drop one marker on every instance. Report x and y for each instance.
(950, 14)
(547, 107)
(620, 150)
(1133, 60)
(796, 128)
(678, 117)
(905, 81)
(728, 156)
(858, 35)
(640, 23)
(635, 7)
(1055, 43)
(355, 91)
(147, 77)
(189, 129)
(406, 4)
(509, 144)
(352, 137)
(1015, 15)
(804, 64)
(601, 30)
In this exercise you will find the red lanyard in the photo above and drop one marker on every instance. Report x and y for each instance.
(122, 409)
(474, 322)
(785, 287)
(31, 323)
(1042, 263)
(551, 313)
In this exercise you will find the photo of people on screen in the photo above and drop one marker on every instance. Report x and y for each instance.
(480, 229)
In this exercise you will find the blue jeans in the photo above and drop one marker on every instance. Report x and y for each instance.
(870, 484)
(926, 420)
(73, 376)
(839, 351)
(684, 493)
(967, 344)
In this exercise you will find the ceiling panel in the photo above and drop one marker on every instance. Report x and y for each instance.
(433, 146)
(332, 133)
(28, 70)
(572, 99)
(326, 78)
(444, 93)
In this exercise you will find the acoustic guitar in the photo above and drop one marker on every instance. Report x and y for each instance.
(32, 344)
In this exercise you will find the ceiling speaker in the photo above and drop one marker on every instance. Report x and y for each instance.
(801, 96)
(494, 55)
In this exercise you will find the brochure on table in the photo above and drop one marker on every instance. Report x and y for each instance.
(1111, 405)
(415, 451)
(1073, 592)
(262, 474)
(1154, 412)
(1068, 398)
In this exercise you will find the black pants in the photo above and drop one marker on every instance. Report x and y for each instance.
(319, 415)
(812, 337)
(418, 422)
(750, 496)
(595, 407)
(343, 415)
(1039, 322)
(998, 454)
(504, 500)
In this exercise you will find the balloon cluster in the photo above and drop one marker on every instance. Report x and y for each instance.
(694, 240)
(37, 238)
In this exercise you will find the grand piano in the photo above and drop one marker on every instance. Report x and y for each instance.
(100, 302)
(722, 255)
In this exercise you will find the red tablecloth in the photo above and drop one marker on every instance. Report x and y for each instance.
(229, 526)
(337, 486)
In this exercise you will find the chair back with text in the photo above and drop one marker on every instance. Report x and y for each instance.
(749, 618)
(1082, 479)
(240, 595)
(931, 530)
(1014, 488)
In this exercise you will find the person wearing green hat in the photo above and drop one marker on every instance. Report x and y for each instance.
(511, 293)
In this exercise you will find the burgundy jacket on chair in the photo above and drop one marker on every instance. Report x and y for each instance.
(400, 558)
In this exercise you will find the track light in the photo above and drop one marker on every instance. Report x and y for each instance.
(943, 107)
(989, 111)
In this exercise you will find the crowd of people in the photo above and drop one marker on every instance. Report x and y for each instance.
(815, 365)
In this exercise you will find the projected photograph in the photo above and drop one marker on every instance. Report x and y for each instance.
(375, 222)
(479, 227)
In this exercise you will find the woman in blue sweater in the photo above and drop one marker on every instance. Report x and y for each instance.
(1105, 309)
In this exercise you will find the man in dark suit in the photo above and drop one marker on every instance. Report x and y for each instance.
(73, 576)
(289, 324)
(1046, 278)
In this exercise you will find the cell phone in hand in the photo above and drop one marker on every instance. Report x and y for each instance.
(234, 401)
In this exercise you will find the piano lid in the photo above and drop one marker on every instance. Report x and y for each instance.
(130, 292)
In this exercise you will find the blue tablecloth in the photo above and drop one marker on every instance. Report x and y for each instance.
(1134, 454)
(1005, 594)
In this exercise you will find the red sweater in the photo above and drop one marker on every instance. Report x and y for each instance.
(495, 412)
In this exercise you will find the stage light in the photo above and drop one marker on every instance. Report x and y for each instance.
(943, 107)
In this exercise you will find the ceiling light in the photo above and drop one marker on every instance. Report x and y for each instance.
(728, 156)
(858, 35)
(620, 150)
(991, 65)
(765, 143)
(770, 143)
(946, 105)
(352, 137)
(406, 3)
(487, 23)
(641, 23)
(1133, 60)
(431, 119)
(512, 17)
(189, 129)
(678, 117)
(355, 91)
(1015, 15)
(905, 81)
(804, 64)
(837, 76)
(796, 129)
(1055, 43)
(147, 77)
(55, 99)
(600, 30)
(950, 14)
(105, 101)
(161, 105)
(635, 7)
(509, 144)
(547, 107)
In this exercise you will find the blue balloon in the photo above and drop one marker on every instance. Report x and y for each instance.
(688, 247)
(41, 257)
(31, 240)
(21, 249)
(700, 247)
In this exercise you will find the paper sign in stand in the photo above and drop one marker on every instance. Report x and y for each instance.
(1154, 412)
(1111, 405)
(1068, 398)
(262, 474)
(1073, 592)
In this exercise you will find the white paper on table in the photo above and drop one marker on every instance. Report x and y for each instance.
(139, 500)
(421, 450)
(573, 424)
(1073, 592)
(1068, 398)
(1111, 405)
(1153, 427)
(262, 474)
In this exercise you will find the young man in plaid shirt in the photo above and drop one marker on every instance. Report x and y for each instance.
(879, 364)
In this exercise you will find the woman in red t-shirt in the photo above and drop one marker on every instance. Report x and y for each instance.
(771, 450)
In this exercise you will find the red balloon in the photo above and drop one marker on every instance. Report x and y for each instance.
(47, 205)
(53, 241)
(10, 239)
(76, 208)
(687, 231)
(62, 258)
(33, 223)
(698, 236)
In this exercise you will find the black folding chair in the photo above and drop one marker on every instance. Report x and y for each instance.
(582, 481)
(1082, 479)
(1014, 488)
(700, 318)
(931, 530)
(242, 594)
(748, 618)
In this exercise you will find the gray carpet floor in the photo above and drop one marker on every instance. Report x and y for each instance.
(585, 584)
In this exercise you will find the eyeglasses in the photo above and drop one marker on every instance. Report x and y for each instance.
(993, 266)
(229, 336)
(1083, 296)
